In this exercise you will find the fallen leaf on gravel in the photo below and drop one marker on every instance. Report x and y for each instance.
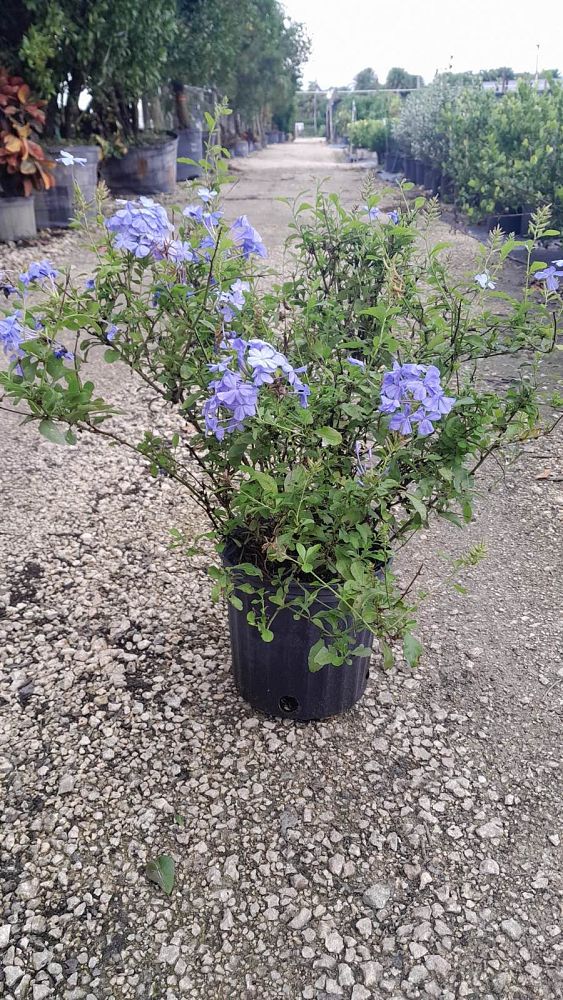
(162, 872)
(544, 474)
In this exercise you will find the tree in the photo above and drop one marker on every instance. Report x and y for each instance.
(248, 51)
(114, 49)
(399, 79)
(366, 79)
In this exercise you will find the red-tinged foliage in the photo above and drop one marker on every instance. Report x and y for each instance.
(23, 164)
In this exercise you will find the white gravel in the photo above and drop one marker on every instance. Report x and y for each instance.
(410, 849)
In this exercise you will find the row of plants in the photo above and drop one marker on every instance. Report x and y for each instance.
(131, 82)
(498, 155)
(318, 425)
(369, 133)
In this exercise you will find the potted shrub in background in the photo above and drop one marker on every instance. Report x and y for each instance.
(24, 167)
(314, 446)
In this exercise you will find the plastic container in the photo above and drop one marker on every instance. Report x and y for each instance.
(17, 219)
(147, 169)
(55, 209)
(190, 144)
(241, 147)
(274, 677)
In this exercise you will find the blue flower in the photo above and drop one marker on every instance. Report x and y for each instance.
(484, 280)
(410, 384)
(141, 227)
(247, 238)
(203, 216)
(372, 213)
(550, 275)
(12, 334)
(111, 332)
(233, 400)
(394, 216)
(181, 252)
(39, 272)
(231, 302)
(205, 194)
(90, 284)
(68, 160)
(62, 353)
(356, 362)
(235, 394)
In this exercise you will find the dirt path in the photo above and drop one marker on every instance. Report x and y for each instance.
(409, 849)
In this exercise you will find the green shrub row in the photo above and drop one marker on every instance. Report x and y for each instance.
(501, 153)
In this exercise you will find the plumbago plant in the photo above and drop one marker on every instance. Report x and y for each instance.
(317, 422)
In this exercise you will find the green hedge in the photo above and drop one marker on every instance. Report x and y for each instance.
(369, 134)
(500, 153)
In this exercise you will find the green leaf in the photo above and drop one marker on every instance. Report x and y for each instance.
(388, 658)
(110, 355)
(235, 601)
(266, 635)
(319, 656)
(361, 651)
(412, 649)
(161, 871)
(418, 506)
(329, 436)
(50, 431)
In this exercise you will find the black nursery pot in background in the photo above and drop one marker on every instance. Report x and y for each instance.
(145, 169)
(56, 208)
(274, 677)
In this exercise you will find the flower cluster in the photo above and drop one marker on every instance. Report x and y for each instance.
(39, 272)
(551, 275)
(12, 333)
(247, 238)
(408, 385)
(141, 227)
(235, 393)
(231, 302)
(484, 280)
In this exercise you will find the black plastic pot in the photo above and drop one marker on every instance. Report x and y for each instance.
(241, 147)
(55, 209)
(419, 169)
(431, 180)
(17, 219)
(274, 677)
(410, 168)
(393, 162)
(511, 222)
(147, 169)
(190, 144)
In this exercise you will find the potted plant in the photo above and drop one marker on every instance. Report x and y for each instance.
(24, 168)
(314, 445)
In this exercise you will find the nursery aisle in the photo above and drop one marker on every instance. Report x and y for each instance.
(408, 849)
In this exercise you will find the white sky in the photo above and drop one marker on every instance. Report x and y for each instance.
(422, 35)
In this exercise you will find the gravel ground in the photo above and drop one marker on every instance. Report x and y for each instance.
(409, 849)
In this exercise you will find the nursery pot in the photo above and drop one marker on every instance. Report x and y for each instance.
(393, 162)
(149, 169)
(17, 219)
(431, 179)
(241, 147)
(190, 144)
(410, 169)
(55, 209)
(511, 222)
(419, 169)
(274, 677)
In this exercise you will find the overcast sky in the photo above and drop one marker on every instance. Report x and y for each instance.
(424, 35)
